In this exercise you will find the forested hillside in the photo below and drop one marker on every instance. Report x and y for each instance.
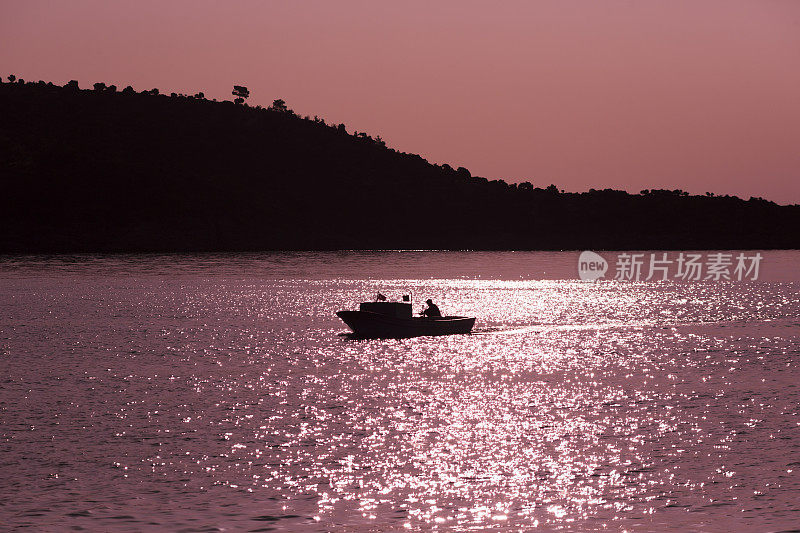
(108, 170)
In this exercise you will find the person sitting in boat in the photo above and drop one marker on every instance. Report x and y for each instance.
(432, 310)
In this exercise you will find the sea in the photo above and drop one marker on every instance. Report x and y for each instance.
(219, 392)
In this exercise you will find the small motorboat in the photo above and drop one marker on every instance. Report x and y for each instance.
(393, 320)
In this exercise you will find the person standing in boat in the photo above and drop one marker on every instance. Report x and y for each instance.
(432, 310)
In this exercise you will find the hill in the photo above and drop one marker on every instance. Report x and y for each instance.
(117, 171)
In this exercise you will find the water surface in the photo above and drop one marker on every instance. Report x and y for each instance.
(196, 393)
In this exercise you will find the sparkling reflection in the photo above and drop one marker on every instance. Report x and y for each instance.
(573, 406)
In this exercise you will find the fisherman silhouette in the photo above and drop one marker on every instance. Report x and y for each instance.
(432, 310)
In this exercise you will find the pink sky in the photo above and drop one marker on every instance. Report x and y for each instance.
(697, 95)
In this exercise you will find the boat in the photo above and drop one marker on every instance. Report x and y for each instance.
(395, 320)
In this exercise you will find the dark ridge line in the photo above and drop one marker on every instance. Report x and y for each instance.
(103, 170)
